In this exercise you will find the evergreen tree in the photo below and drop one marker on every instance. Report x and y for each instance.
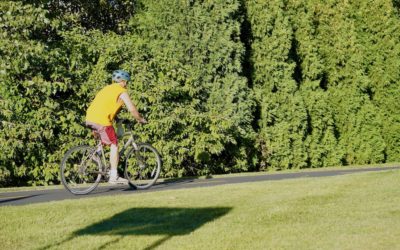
(336, 61)
(283, 122)
(188, 73)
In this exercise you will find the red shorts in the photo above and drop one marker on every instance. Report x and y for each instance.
(107, 133)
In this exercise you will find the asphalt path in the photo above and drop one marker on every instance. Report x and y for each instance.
(38, 196)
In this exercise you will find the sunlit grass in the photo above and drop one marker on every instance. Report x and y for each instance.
(357, 211)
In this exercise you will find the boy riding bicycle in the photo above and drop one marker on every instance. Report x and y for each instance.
(102, 111)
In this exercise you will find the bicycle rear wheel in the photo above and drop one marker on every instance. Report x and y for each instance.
(80, 169)
(142, 166)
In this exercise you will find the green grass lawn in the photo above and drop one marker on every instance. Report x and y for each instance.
(357, 211)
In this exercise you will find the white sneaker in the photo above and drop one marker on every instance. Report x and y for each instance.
(117, 180)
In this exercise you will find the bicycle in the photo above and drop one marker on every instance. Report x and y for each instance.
(83, 167)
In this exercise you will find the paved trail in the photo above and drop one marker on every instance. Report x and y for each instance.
(29, 197)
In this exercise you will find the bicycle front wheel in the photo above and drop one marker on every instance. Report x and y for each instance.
(142, 166)
(80, 169)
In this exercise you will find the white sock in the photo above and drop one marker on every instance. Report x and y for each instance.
(113, 173)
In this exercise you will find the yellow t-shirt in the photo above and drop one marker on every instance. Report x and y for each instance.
(105, 105)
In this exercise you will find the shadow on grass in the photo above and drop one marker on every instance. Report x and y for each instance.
(166, 222)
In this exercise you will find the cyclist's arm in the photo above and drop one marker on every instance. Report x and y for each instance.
(131, 107)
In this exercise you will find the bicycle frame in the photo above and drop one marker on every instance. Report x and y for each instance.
(130, 142)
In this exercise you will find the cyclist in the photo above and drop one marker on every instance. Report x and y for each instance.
(102, 111)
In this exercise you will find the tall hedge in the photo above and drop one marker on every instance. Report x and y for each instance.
(227, 86)
(187, 73)
(321, 70)
(185, 59)
(28, 109)
(43, 61)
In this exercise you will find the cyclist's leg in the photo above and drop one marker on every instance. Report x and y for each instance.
(114, 158)
(109, 137)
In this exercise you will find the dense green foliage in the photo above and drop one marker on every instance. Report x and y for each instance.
(326, 77)
(227, 86)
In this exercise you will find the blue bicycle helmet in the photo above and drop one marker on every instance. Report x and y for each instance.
(119, 75)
